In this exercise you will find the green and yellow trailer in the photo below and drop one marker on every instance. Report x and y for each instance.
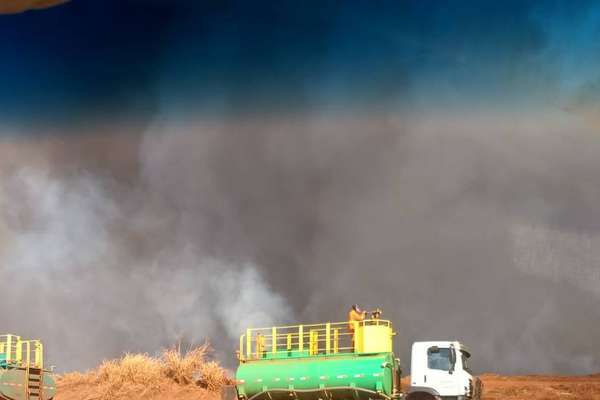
(328, 361)
(23, 375)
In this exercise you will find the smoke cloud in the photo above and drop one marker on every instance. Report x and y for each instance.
(97, 277)
(478, 227)
(208, 176)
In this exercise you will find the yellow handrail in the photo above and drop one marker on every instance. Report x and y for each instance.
(367, 336)
(22, 353)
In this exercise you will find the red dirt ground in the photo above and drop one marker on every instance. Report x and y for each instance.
(496, 387)
(171, 391)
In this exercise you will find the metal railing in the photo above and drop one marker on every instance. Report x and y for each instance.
(15, 351)
(328, 338)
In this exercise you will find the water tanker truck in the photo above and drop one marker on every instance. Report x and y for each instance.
(22, 372)
(348, 361)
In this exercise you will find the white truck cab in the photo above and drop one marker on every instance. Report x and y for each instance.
(440, 370)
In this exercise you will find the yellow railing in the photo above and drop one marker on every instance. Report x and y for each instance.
(331, 338)
(21, 353)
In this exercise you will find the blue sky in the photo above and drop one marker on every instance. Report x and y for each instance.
(121, 59)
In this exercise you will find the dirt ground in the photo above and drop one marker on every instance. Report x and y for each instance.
(496, 387)
(167, 392)
(537, 387)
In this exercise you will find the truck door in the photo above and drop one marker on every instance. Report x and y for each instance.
(440, 363)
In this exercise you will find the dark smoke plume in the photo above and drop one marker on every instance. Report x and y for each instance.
(485, 238)
(467, 225)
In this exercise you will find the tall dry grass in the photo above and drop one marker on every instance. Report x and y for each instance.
(141, 375)
(182, 366)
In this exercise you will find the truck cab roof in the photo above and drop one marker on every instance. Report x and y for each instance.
(442, 343)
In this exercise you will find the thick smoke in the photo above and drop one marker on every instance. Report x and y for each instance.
(468, 225)
(96, 277)
(470, 228)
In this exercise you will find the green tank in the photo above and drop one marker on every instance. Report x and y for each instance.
(20, 384)
(22, 372)
(324, 361)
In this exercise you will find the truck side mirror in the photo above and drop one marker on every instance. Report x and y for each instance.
(452, 359)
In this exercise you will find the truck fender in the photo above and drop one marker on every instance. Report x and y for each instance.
(422, 393)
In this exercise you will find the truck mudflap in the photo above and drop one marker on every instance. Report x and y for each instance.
(331, 393)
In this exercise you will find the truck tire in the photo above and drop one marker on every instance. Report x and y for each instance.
(421, 396)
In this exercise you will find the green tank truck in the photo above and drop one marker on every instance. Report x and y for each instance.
(330, 361)
(351, 360)
(23, 375)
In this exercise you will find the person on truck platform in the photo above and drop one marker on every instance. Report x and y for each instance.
(355, 316)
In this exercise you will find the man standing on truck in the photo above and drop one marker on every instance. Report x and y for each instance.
(355, 316)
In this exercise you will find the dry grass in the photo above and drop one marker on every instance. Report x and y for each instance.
(142, 376)
(213, 377)
(181, 367)
(74, 379)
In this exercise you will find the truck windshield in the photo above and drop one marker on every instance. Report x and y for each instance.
(438, 358)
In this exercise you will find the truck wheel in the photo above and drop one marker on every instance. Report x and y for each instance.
(421, 396)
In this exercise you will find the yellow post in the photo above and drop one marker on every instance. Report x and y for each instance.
(289, 342)
(327, 338)
(274, 340)
(1, 348)
(259, 345)
(28, 353)
(314, 342)
(336, 339)
(248, 343)
(39, 355)
(9, 348)
(19, 350)
(241, 352)
(356, 337)
(301, 338)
